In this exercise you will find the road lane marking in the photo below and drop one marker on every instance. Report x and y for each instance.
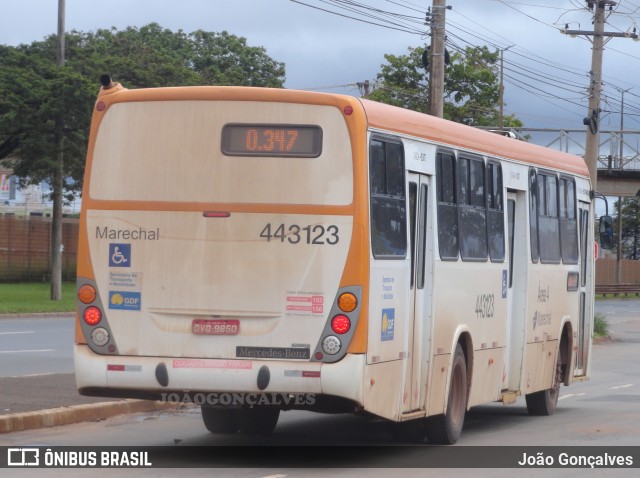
(621, 386)
(571, 395)
(21, 332)
(25, 351)
(34, 375)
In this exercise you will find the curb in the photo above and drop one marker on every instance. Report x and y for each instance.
(39, 315)
(77, 413)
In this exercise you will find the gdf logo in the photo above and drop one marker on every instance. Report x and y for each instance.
(125, 300)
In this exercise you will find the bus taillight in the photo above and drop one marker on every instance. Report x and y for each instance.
(347, 302)
(92, 315)
(340, 324)
(331, 345)
(87, 294)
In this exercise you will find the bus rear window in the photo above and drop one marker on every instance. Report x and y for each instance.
(223, 152)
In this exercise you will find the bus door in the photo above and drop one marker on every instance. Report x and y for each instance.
(585, 324)
(516, 290)
(421, 281)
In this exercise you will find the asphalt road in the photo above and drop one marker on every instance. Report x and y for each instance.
(36, 365)
(36, 346)
(593, 414)
(36, 357)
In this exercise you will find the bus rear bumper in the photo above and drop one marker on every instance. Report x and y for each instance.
(158, 377)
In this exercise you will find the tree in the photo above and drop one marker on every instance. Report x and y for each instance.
(471, 86)
(35, 93)
(630, 227)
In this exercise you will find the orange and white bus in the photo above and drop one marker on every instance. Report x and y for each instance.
(265, 249)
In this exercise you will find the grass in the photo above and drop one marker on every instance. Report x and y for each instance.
(31, 298)
(600, 326)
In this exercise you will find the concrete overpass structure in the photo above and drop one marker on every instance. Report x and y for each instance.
(618, 162)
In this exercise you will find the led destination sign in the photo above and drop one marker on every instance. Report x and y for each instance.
(297, 141)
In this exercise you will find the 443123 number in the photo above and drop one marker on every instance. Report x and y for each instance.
(317, 234)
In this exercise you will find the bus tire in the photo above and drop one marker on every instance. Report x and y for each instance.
(258, 420)
(446, 428)
(221, 420)
(545, 402)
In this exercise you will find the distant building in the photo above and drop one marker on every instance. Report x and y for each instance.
(31, 200)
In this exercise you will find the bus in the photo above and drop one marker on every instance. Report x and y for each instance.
(262, 250)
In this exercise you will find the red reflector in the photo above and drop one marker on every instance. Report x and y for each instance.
(311, 374)
(101, 106)
(319, 355)
(216, 214)
(348, 110)
(115, 368)
(92, 315)
(340, 324)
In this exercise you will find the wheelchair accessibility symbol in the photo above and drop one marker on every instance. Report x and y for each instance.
(119, 255)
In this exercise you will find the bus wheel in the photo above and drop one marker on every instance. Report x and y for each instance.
(258, 420)
(221, 420)
(446, 429)
(545, 402)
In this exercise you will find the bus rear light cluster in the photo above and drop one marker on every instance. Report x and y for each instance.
(340, 326)
(92, 318)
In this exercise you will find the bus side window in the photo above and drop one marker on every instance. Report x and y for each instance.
(388, 205)
(472, 209)
(548, 221)
(447, 205)
(495, 212)
(568, 221)
(533, 215)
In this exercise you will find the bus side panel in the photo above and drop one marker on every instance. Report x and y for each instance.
(469, 296)
(436, 400)
(383, 389)
(487, 376)
(540, 358)
(550, 305)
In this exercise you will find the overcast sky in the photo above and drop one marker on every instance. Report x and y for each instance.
(546, 72)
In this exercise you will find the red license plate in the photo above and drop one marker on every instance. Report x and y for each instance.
(215, 327)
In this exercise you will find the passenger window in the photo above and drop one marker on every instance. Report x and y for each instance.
(472, 209)
(495, 212)
(568, 221)
(548, 223)
(447, 207)
(388, 206)
(533, 215)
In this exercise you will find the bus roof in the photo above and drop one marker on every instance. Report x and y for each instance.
(378, 115)
(457, 135)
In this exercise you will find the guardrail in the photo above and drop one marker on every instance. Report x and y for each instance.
(618, 289)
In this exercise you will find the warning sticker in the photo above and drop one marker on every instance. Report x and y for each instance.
(304, 304)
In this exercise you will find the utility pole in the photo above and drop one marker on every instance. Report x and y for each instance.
(365, 88)
(619, 245)
(436, 60)
(60, 43)
(502, 86)
(592, 121)
(58, 176)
